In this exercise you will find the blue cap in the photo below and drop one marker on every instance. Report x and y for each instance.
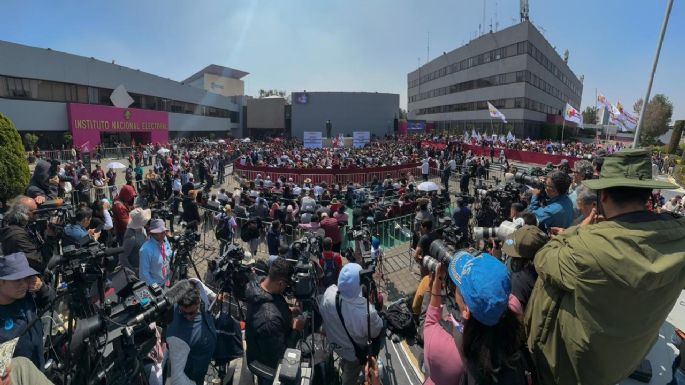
(348, 281)
(484, 283)
(375, 242)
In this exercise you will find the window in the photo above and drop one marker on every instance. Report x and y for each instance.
(520, 76)
(18, 88)
(3, 86)
(521, 47)
(104, 94)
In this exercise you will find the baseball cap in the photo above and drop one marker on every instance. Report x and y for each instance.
(524, 242)
(348, 281)
(484, 283)
(15, 266)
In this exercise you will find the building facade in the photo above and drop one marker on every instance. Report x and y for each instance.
(515, 69)
(346, 112)
(51, 93)
(266, 117)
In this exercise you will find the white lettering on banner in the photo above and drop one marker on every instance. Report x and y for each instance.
(360, 139)
(313, 139)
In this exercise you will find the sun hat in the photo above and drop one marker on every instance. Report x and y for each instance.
(349, 285)
(157, 226)
(524, 242)
(138, 218)
(307, 180)
(15, 266)
(627, 168)
(484, 283)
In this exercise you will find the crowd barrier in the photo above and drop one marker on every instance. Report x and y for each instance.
(319, 175)
(521, 156)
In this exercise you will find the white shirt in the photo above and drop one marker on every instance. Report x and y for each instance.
(453, 164)
(424, 168)
(354, 312)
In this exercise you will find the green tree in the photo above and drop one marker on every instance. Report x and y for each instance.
(30, 139)
(675, 136)
(590, 115)
(14, 168)
(67, 138)
(657, 116)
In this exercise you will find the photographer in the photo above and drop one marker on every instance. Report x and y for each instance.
(424, 244)
(269, 320)
(486, 345)
(461, 217)
(15, 236)
(22, 297)
(44, 183)
(580, 320)
(191, 336)
(344, 312)
(486, 216)
(77, 232)
(558, 210)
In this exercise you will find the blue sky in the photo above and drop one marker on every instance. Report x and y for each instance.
(353, 45)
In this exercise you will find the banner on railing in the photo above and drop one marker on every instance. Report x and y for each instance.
(312, 139)
(360, 139)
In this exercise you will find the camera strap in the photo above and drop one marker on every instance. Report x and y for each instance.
(358, 351)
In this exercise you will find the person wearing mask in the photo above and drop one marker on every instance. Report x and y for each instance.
(134, 238)
(75, 234)
(481, 341)
(519, 250)
(580, 320)
(269, 321)
(558, 211)
(44, 183)
(15, 236)
(23, 297)
(155, 256)
(191, 336)
(344, 312)
(82, 191)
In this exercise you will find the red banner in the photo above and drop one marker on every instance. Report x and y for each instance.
(521, 156)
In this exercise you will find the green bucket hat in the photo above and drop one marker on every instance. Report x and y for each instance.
(627, 168)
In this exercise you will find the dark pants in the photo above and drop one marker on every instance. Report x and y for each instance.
(336, 247)
(425, 177)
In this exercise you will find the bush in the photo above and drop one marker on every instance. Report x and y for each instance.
(31, 140)
(14, 169)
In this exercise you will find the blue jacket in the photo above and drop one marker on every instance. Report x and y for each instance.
(73, 234)
(152, 265)
(557, 213)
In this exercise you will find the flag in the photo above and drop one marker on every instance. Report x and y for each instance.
(473, 134)
(629, 121)
(494, 113)
(336, 141)
(510, 137)
(572, 115)
(478, 137)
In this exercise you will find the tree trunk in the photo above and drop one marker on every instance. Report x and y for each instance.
(675, 136)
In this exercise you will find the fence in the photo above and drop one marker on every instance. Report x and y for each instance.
(522, 156)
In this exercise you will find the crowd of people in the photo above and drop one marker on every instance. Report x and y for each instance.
(552, 302)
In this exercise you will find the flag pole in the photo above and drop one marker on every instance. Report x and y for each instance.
(645, 100)
(563, 126)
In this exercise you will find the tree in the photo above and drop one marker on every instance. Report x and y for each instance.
(30, 140)
(657, 116)
(14, 169)
(271, 92)
(590, 115)
(403, 113)
(67, 138)
(675, 136)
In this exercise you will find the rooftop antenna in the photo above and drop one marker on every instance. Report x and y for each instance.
(484, 2)
(524, 10)
(491, 25)
(496, 20)
(428, 45)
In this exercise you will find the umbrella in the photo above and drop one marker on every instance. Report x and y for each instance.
(115, 165)
(427, 186)
(246, 140)
(163, 151)
(221, 141)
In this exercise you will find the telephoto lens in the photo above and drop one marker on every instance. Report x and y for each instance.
(484, 233)
(441, 253)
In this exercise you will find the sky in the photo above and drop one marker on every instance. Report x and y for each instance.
(354, 45)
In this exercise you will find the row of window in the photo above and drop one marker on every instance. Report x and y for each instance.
(51, 91)
(496, 80)
(520, 48)
(528, 104)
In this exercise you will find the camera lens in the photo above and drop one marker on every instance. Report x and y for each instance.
(440, 251)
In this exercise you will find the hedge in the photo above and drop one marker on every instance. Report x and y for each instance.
(14, 168)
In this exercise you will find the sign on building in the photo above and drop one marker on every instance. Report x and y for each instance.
(360, 139)
(313, 139)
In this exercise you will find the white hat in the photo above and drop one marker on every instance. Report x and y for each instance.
(157, 226)
(138, 218)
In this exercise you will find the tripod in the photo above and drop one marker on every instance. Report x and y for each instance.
(179, 266)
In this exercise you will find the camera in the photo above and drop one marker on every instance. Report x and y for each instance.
(230, 273)
(441, 253)
(500, 232)
(529, 180)
(187, 240)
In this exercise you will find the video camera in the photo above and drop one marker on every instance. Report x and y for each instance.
(304, 277)
(230, 272)
(500, 232)
(451, 233)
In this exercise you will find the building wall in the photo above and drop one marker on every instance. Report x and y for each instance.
(347, 111)
(29, 115)
(223, 86)
(267, 113)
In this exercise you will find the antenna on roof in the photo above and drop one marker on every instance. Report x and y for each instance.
(524, 10)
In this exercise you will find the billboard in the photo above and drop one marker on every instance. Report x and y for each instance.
(414, 125)
(313, 139)
(360, 138)
(301, 98)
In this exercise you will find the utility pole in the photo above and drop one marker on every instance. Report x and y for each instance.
(641, 119)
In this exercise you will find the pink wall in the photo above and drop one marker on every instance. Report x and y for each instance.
(87, 121)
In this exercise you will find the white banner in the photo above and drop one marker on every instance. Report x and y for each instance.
(360, 139)
(313, 139)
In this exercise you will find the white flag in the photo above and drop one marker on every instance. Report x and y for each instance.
(473, 134)
(572, 115)
(478, 137)
(510, 137)
(494, 113)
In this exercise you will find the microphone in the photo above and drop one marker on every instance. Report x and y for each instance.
(171, 296)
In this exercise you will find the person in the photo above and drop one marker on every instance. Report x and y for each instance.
(134, 238)
(101, 220)
(82, 191)
(273, 237)
(120, 210)
(23, 297)
(191, 212)
(425, 169)
(422, 215)
(423, 246)
(330, 262)
(586, 200)
(515, 211)
(582, 170)
(486, 216)
(344, 312)
(332, 231)
(486, 345)
(461, 217)
(155, 256)
(75, 234)
(43, 183)
(558, 212)
(21, 371)
(446, 173)
(519, 249)
(580, 320)
(269, 320)
(15, 235)
(191, 336)
(225, 228)
(673, 205)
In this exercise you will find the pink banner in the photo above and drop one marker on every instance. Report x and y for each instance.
(87, 122)
(521, 156)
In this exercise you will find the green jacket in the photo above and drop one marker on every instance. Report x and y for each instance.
(602, 294)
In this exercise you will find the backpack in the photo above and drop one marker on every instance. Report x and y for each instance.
(223, 228)
(400, 319)
(330, 272)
